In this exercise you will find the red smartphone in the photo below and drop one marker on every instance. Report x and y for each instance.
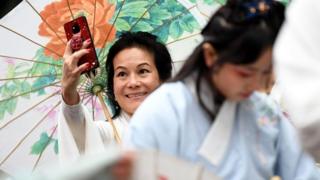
(79, 27)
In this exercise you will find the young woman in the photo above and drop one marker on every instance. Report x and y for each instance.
(211, 114)
(136, 65)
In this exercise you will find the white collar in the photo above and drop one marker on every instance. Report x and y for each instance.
(216, 142)
(218, 138)
(124, 116)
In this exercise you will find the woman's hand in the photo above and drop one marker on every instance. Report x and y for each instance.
(71, 72)
(123, 168)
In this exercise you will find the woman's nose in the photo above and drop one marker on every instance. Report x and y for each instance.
(256, 83)
(133, 81)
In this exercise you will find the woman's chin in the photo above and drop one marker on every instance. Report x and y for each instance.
(238, 98)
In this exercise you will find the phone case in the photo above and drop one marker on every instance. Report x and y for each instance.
(79, 27)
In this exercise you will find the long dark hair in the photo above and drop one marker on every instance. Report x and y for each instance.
(147, 42)
(239, 32)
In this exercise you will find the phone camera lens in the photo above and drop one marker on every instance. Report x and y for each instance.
(75, 29)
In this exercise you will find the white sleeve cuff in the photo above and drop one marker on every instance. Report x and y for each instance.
(72, 112)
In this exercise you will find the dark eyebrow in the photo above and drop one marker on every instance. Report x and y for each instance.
(143, 64)
(249, 68)
(119, 67)
(124, 68)
(254, 69)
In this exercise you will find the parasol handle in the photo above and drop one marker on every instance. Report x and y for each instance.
(108, 116)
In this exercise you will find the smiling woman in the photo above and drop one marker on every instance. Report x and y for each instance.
(137, 60)
(136, 65)
(136, 76)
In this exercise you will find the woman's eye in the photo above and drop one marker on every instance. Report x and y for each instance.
(121, 74)
(244, 74)
(143, 71)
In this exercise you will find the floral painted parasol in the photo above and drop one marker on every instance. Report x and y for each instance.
(33, 42)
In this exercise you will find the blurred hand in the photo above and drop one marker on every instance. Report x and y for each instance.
(71, 72)
(122, 170)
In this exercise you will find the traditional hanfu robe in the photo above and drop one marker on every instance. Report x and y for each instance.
(79, 134)
(251, 139)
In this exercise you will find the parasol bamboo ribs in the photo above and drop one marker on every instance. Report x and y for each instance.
(108, 116)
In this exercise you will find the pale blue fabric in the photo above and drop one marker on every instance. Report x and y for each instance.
(263, 142)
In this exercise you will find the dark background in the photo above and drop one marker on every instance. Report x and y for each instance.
(7, 5)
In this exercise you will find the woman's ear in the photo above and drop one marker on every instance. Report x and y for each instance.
(210, 55)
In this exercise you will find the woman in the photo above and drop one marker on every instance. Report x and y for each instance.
(136, 65)
(210, 113)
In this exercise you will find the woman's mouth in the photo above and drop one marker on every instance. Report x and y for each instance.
(245, 95)
(136, 95)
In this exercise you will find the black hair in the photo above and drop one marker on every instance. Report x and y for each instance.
(239, 32)
(145, 41)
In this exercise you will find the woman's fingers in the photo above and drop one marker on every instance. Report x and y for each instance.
(86, 44)
(71, 71)
(72, 58)
(70, 65)
(68, 50)
(82, 68)
(77, 55)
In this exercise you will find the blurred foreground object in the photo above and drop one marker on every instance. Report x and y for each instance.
(153, 165)
(4, 175)
(149, 165)
(297, 58)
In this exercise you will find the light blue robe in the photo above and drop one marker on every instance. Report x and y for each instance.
(248, 140)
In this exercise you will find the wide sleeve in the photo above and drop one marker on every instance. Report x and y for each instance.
(77, 133)
(297, 62)
(292, 162)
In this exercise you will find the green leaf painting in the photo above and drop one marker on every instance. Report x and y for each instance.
(175, 29)
(45, 71)
(135, 9)
(285, 2)
(39, 146)
(143, 26)
(122, 25)
(165, 18)
(209, 2)
(56, 146)
(10, 89)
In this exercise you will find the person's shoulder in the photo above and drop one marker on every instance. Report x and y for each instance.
(165, 105)
(171, 88)
(170, 93)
